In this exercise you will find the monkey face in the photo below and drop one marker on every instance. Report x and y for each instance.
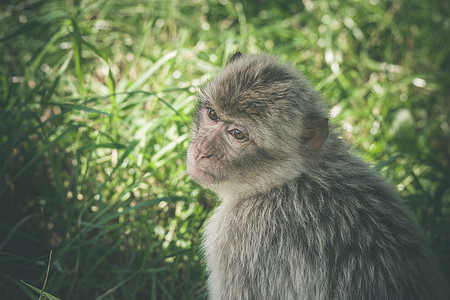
(216, 148)
(237, 156)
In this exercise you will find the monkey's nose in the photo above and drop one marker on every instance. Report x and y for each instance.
(201, 152)
(203, 155)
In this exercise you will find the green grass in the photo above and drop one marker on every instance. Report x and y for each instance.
(95, 104)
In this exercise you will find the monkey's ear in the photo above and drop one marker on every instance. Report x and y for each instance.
(316, 132)
(235, 56)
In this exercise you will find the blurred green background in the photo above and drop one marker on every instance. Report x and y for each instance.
(95, 103)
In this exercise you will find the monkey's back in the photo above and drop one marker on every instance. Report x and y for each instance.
(320, 239)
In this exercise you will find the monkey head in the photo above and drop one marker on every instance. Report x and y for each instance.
(256, 125)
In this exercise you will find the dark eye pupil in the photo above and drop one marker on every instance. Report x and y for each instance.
(212, 115)
(238, 134)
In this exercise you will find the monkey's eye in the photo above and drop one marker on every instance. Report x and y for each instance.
(239, 135)
(212, 115)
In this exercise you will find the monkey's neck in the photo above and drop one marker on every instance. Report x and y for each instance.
(331, 168)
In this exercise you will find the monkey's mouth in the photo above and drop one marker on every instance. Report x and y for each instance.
(199, 175)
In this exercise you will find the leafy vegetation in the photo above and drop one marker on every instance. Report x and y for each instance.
(95, 103)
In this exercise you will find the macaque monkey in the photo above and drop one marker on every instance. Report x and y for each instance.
(300, 217)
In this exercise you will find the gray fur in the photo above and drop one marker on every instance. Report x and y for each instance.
(296, 222)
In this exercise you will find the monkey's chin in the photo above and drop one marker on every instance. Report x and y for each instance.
(200, 176)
